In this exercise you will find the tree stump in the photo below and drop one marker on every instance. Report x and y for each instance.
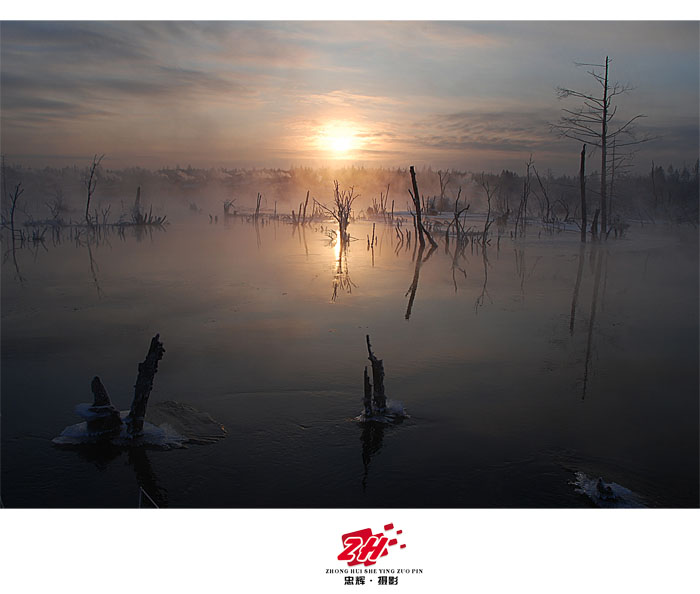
(102, 418)
(143, 386)
(379, 398)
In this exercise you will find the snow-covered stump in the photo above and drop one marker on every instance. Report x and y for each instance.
(102, 419)
(173, 424)
(377, 408)
(143, 386)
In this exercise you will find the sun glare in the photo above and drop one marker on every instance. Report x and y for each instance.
(337, 139)
(340, 144)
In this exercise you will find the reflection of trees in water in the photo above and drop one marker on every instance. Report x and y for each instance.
(258, 239)
(411, 293)
(341, 277)
(484, 292)
(93, 270)
(102, 455)
(577, 286)
(591, 321)
(85, 236)
(598, 261)
(455, 265)
(18, 272)
(372, 438)
(521, 269)
(146, 476)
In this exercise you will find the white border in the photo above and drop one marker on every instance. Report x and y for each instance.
(202, 551)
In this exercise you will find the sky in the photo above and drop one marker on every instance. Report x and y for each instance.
(468, 95)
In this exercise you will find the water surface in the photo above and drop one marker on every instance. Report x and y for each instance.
(520, 366)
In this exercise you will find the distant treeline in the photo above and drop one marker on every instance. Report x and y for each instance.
(662, 193)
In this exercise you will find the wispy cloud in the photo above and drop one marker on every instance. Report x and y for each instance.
(447, 91)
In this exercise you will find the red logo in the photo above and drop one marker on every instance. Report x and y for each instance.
(363, 547)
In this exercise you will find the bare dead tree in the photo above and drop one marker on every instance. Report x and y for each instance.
(57, 205)
(90, 183)
(546, 208)
(490, 191)
(521, 217)
(259, 199)
(143, 386)
(594, 123)
(14, 197)
(620, 162)
(420, 228)
(460, 233)
(378, 397)
(342, 210)
(444, 177)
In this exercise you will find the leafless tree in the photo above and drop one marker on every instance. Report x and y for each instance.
(14, 197)
(444, 177)
(490, 191)
(342, 209)
(594, 123)
(91, 183)
(521, 217)
(421, 231)
(57, 206)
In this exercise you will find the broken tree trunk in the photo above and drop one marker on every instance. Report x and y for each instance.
(416, 205)
(99, 392)
(419, 221)
(368, 395)
(378, 377)
(144, 385)
(102, 418)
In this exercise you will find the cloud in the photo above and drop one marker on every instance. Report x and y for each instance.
(514, 131)
(432, 90)
(47, 46)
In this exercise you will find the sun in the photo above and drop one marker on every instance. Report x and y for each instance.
(340, 144)
(338, 139)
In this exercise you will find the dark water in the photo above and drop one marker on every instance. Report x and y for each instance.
(510, 395)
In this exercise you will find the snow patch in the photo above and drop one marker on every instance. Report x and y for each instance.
(605, 494)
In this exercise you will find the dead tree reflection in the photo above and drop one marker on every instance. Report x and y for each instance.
(93, 270)
(372, 439)
(577, 286)
(591, 321)
(521, 269)
(484, 292)
(341, 277)
(416, 276)
(18, 272)
(102, 455)
(146, 476)
(455, 265)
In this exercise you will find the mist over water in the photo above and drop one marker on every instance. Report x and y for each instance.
(520, 365)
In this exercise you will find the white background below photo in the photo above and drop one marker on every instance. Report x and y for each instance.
(545, 551)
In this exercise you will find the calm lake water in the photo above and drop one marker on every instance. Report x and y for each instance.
(519, 367)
